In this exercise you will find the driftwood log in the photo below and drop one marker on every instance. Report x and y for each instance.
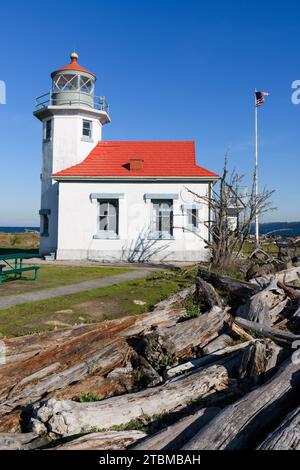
(286, 436)
(206, 296)
(68, 417)
(79, 360)
(244, 424)
(237, 288)
(281, 337)
(208, 359)
(19, 441)
(176, 435)
(112, 440)
(266, 306)
(183, 340)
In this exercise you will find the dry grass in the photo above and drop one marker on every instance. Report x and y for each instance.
(19, 240)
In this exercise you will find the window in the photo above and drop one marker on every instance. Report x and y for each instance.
(108, 217)
(48, 130)
(192, 215)
(45, 232)
(87, 129)
(162, 218)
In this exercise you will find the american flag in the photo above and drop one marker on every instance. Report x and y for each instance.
(260, 97)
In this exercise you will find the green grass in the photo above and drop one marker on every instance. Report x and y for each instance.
(57, 276)
(89, 397)
(91, 306)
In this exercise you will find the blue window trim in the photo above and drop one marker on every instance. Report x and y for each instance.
(172, 196)
(106, 196)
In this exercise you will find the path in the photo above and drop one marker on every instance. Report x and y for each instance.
(12, 300)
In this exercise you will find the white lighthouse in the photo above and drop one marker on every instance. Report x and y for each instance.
(72, 118)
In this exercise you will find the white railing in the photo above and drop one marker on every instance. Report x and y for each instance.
(52, 99)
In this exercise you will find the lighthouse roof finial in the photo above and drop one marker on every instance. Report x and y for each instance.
(74, 57)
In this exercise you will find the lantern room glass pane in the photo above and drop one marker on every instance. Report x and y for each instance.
(86, 85)
(66, 82)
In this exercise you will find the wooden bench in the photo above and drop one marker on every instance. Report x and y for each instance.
(8, 272)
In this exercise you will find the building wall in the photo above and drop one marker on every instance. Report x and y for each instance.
(65, 148)
(77, 223)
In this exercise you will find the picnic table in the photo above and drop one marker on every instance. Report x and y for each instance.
(11, 265)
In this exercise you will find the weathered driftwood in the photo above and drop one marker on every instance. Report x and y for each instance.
(19, 441)
(206, 296)
(221, 342)
(112, 440)
(266, 306)
(184, 339)
(293, 294)
(286, 276)
(165, 313)
(240, 332)
(237, 288)
(174, 436)
(286, 436)
(203, 361)
(244, 424)
(281, 337)
(68, 417)
(44, 364)
(259, 359)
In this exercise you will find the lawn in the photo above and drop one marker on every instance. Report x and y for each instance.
(126, 298)
(54, 276)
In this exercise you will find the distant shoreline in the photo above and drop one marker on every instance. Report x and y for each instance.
(18, 229)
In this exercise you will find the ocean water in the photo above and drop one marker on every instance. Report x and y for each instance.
(284, 229)
(18, 229)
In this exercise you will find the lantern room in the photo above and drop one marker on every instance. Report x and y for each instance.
(72, 85)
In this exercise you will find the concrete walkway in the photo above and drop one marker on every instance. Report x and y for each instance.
(12, 300)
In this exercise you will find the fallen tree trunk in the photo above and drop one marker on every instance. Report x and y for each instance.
(286, 436)
(174, 436)
(283, 338)
(67, 417)
(244, 424)
(240, 289)
(182, 340)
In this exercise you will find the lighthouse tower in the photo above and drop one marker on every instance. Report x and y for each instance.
(72, 118)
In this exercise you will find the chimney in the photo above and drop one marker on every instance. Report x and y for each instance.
(136, 164)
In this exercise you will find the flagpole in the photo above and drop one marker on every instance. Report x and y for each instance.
(256, 172)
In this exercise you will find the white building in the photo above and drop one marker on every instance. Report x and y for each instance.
(114, 200)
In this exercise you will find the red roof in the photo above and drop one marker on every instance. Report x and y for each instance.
(73, 66)
(165, 159)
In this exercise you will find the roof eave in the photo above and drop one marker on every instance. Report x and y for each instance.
(132, 178)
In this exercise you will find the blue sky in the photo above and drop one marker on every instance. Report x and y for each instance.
(171, 70)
